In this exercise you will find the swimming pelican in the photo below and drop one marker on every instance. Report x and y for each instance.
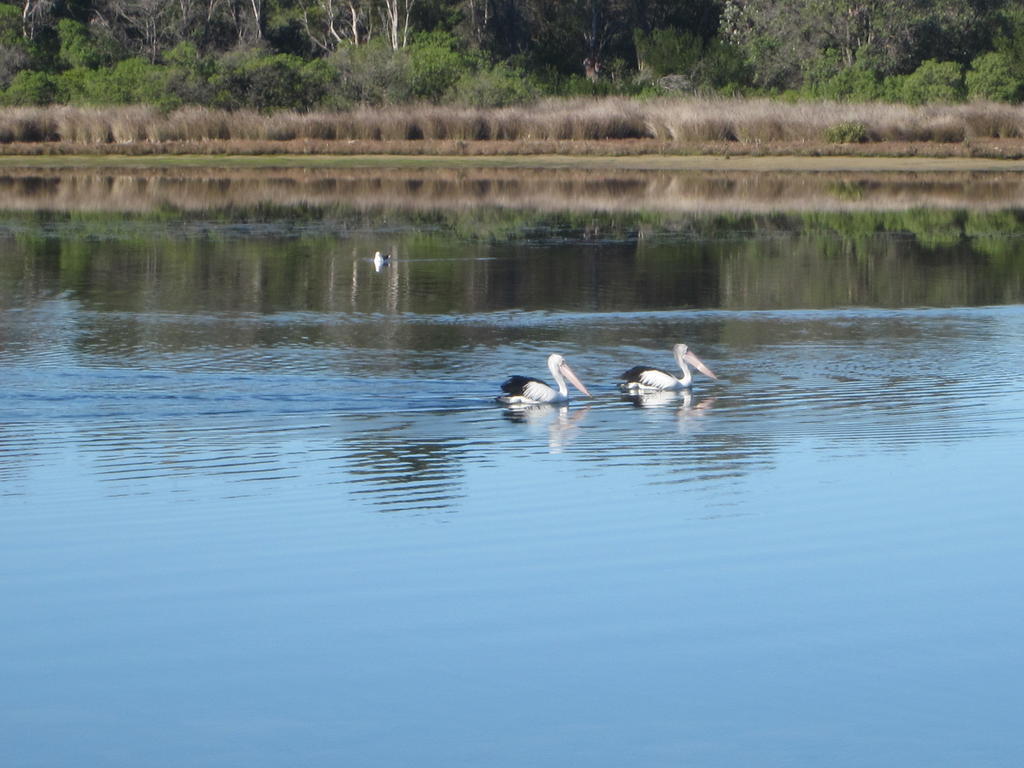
(523, 390)
(644, 377)
(381, 260)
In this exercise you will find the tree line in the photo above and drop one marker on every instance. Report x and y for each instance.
(335, 54)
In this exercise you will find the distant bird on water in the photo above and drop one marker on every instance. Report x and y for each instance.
(524, 390)
(381, 260)
(642, 378)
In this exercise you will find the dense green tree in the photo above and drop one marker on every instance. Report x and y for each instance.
(370, 74)
(29, 88)
(992, 77)
(703, 65)
(15, 50)
(933, 81)
(783, 40)
(436, 64)
(276, 53)
(84, 46)
(1009, 39)
(497, 86)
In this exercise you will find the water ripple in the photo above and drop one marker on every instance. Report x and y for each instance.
(397, 431)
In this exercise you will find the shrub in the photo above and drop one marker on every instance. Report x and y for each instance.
(723, 67)
(498, 86)
(706, 66)
(186, 77)
(262, 81)
(436, 65)
(991, 77)
(75, 86)
(133, 81)
(580, 86)
(13, 59)
(30, 88)
(668, 51)
(849, 132)
(934, 81)
(371, 74)
(76, 48)
(851, 84)
(10, 25)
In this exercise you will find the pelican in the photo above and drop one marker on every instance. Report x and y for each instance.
(381, 260)
(523, 390)
(643, 378)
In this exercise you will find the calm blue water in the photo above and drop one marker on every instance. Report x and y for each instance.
(272, 531)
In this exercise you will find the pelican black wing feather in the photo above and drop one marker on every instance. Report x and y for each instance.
(633, 374)
(516, 385)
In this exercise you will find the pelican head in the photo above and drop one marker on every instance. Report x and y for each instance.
(561, 372)
(684, 356)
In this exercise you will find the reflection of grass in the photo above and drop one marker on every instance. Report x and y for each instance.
(847, 190)
(471, 191)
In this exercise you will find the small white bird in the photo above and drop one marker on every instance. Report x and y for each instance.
(381, 260)
(520, 390)
(641, 378)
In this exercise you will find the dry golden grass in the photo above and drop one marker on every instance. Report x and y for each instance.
(571, 125)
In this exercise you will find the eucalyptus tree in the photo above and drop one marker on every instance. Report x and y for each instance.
(328, 23)
(395, 15)
(36, 14)
(782, 39)
(143, 27)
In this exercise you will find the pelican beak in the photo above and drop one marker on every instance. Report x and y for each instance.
(695, 361)
(571, 378)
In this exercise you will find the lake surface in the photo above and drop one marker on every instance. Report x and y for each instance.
(258, 505)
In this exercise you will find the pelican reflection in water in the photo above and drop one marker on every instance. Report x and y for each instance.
(687, 413)
(560, 421)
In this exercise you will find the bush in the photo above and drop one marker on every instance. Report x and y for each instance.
(714, 65)
(668, 51)
(10, 25)
(76, 46)
(850, 132)
(131, 81)
(436, 65)
(318, 79)
(276, 81)
(371, 74)
(855, 83)
(991, 77)
(933, 81)
(723, 68)
(13, 59)
(187, 76)
(30, 88)
(498, 86)
(252, 78)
